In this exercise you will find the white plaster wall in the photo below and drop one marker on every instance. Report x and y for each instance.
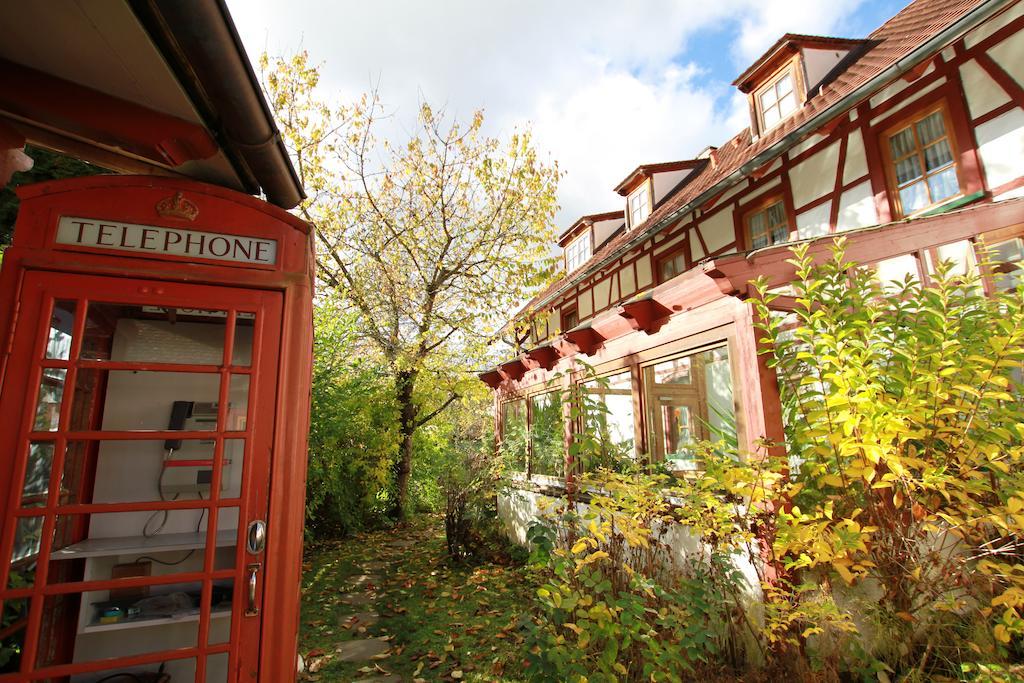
(816, 176)
(518, 509)
(602, 291)
(982, 93)
(584, 305)
(994, 24)
(767, 187)
(804, 145)
(1001, 147)
(896, 87)
(696, 251)
(904, 102)
(736, 189)
(627, 281)
(817, 63)
(664, 182)
(669, 245)
(856, 165)
(813, 223)
(1011, 194)
(718, 231)
(605, 229)
(644, 277)
(857, 208)
(1009, 54)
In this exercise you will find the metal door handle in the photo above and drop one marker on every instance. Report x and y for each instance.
(256, 537)
(252, 610)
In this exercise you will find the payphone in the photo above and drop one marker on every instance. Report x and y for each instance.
(148, 326)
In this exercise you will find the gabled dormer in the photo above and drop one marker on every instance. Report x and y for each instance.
(789, 73)
(586, 235)
(648, 185)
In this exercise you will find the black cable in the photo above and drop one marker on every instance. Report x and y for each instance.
(124, 674)
(199, 525)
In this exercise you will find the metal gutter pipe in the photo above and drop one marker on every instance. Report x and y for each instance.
(199, 40)
(843, 106)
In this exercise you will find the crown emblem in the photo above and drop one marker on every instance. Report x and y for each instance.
(177, 207)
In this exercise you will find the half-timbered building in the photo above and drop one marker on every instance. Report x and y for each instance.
(910, 142)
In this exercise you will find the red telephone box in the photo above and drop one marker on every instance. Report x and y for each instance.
(154, 401)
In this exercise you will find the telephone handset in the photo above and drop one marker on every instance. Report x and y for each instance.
(188, 465)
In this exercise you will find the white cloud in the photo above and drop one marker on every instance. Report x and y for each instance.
(598, 80)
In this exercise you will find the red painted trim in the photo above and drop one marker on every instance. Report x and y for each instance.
(999, 75)
(876, 170)
(111, 121)
(969, 164)
(995, 113)
(1006, 187)
(837, 189)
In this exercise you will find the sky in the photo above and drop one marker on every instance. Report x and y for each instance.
(605, 86)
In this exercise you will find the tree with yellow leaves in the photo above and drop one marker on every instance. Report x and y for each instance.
(430, 240)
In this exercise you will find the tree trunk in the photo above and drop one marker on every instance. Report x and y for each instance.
(405, 382)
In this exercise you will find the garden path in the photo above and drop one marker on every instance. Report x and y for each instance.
(388, 606)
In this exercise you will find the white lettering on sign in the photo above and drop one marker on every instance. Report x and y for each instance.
(101, 234)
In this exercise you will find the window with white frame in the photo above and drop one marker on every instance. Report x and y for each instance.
(777, 101)
(577, 253)
(639, 205)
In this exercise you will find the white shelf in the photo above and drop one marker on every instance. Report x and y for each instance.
(130, 545)
(156, 621)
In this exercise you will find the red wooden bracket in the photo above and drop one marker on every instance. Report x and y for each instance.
(108, 120)
(585, 339)
(646, 315)
(545, 356)
(491, 378)
(916, 72)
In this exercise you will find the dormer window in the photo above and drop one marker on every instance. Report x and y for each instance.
(777, 100)
(782, 79)
(639, 205)
(577, 252)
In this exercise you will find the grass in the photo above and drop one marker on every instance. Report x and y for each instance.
(445, 622)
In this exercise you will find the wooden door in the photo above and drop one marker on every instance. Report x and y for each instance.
(136, 423)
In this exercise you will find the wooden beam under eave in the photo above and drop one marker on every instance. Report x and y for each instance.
(544, 356)
(513, 369)
(646, 315)
(564, 347)
(491, 378)
(75, 110)
(585, 339)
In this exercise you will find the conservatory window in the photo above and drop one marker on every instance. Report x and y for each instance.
(513, 434)
(608, 419)
(690, 399)
(547, 435)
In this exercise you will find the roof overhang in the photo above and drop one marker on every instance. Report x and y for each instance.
(641, 173)
(783, 50)
(142, 86)
(586, 222)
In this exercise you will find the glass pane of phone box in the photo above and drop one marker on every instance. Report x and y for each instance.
(127, 471)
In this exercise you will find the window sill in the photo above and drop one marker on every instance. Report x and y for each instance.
(951, 205)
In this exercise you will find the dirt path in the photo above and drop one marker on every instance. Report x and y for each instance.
(387, 606)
